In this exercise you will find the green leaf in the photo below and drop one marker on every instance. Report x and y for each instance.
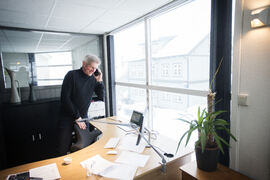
(221, 139)
(199, 113)
(218, 142)
(215, 114)
(189, 134)
(203, 139)
(184, 120)
(181, 141)
(220, 128)
(228, 131)
(221, 121)
(219, 124)
(201, 117)
(206, 127)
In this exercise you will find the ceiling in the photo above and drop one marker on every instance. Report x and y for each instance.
(36, 41)
(81, 16)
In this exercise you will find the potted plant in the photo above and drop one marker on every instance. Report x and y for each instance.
(209, 142)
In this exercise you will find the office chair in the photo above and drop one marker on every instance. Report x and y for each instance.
(84, 138)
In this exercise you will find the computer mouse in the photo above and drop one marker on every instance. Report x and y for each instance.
(112, 152)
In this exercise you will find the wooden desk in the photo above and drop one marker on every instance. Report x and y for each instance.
(150, 171)
(191, 172)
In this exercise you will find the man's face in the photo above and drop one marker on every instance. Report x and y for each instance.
(89, 69)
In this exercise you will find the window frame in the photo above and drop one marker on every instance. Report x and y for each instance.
(148, 60)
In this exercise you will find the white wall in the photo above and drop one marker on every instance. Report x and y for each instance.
(251, 75)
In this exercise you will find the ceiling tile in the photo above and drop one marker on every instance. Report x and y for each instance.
(99, 27)
(64, 24)
(50, 43)
(73, 17)
(56, 36)
(21, 34)
(141, 6)
(95, 3)
(18, 19)
(122, 17)
(27, 6)
(78, 41)
(77, 12)
(17, 43)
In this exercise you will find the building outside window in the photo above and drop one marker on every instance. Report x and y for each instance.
(178, 69)
(165, 70)
(178, 74)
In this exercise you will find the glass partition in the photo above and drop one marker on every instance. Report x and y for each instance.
(43, 57)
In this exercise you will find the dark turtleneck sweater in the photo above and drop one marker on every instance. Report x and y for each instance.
(77, 91)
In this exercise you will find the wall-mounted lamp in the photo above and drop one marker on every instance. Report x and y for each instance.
(260, 17)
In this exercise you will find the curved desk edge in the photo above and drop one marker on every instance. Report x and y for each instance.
(74, 170)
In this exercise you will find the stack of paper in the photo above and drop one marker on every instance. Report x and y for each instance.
(102, 167)
(47, 172)
(96, 164)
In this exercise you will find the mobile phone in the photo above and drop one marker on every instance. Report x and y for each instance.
(96, 73)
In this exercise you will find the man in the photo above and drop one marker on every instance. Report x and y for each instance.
(76, 95)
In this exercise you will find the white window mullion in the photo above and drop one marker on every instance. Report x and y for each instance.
(192, 92)
(180, 90)
(148, 71)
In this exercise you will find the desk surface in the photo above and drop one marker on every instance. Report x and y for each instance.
(191, 172)
(75, 171)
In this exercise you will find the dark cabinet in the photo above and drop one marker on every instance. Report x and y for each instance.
(30, 131)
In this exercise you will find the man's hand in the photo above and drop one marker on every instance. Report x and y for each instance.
(99, 77)
(82, 125)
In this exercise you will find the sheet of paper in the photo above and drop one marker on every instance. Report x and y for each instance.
(129, 143)
(132, 158)
(97, 164)
(47, 172)
(108, 169)
(120, 171)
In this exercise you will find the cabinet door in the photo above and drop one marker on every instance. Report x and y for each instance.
(19, 146)
(31, 131)
(48, 130)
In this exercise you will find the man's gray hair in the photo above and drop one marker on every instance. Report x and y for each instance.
(88, 59)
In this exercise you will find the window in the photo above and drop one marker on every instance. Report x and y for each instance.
(130, 55)
(129, 99)
(177, 69)
(165, 70)
(52, 67)
(177, 55)
(175, 39)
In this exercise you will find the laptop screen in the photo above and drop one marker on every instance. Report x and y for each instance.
(136, 118)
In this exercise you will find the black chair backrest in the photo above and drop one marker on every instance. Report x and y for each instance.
(84, 137)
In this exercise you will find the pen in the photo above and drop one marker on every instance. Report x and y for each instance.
(35, 178)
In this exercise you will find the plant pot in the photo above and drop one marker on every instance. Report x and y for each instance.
(207, 161)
